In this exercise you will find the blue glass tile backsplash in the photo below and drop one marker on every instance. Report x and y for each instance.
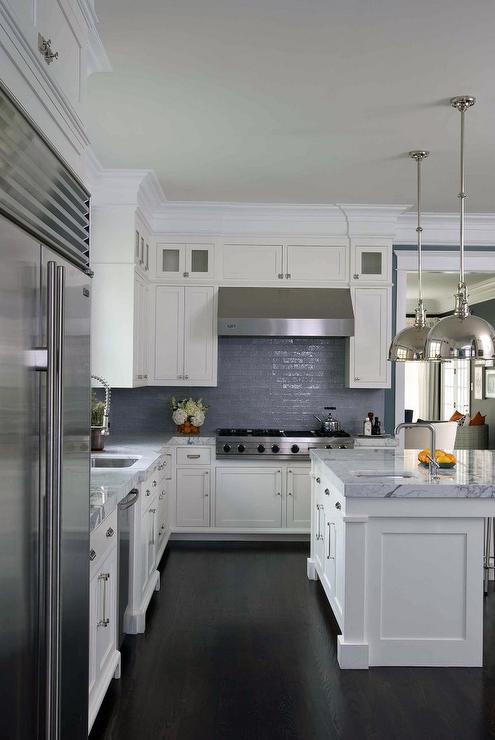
(262, 381)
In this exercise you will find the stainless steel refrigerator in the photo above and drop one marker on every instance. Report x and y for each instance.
(44, 442)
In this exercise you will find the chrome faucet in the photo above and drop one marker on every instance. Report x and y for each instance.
(106, 411)
(433, 466)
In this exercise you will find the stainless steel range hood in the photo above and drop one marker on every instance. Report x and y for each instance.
(285, 312)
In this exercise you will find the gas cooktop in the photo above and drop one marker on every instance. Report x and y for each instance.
(285, 444)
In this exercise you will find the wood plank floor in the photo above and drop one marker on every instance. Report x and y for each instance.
(241, 646)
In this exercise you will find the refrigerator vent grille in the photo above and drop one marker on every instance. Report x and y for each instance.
(37, 190)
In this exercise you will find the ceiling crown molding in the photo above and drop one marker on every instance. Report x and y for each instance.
(443, 229)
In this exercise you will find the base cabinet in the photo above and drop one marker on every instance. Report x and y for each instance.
(104, 658)
(298, 491)
(193, 497)
(248, 497)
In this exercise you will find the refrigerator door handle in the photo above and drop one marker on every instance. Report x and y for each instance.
(55, 334)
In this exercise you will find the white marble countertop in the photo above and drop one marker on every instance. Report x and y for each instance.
(110, 485)
(372, 473)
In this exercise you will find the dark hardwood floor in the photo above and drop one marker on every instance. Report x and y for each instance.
(241, 646)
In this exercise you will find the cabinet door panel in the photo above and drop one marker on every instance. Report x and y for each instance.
(371, 264)
(299, 498)
(317, 263)
(258, 262)
(169, 333)
(57, 23)
(199, 260)
(106, 624)
(368, 365)
(199, 333)
(171, 260)
(193, 495)
(248, 497)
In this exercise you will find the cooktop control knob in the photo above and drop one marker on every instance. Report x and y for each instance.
(275, 448)
(294, 448)
(342, 447)
(261, 448)
(240, 448)
(226, 448)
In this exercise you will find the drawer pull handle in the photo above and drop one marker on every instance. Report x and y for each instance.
(92, 554)
(110, 532)
(338, 505)
(104, 621)
(194, 457)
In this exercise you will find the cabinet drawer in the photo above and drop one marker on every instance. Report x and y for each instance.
(101, 541)
(194, 456)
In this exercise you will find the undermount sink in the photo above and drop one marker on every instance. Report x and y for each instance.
(384, 474)
(104, 461)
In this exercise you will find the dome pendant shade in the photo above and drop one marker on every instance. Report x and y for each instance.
(409, 344)
(461, 338)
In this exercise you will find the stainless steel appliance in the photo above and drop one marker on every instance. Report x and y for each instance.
(286, 312)
(124, 523)
(44, 438)
(285, 445)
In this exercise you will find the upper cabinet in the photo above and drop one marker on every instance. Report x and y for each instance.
(46, 50)
(367, 364)
(289, 263)
(371, 262)
(188, 261)
(185, 338)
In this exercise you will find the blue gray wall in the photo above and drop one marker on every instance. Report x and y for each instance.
(262, 381)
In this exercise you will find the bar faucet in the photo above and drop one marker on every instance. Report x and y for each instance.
(106, 411)
(433, 466)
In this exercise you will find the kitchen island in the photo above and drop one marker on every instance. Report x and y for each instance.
(400, 555)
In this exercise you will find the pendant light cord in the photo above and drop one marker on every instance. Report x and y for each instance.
(419, 231)
(462, 198)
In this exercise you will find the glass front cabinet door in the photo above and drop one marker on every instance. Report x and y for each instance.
(371, 263)
(185, 261)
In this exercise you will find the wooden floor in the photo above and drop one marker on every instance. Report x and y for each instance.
(241, 646)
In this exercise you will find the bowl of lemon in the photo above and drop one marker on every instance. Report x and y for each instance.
(444, 459)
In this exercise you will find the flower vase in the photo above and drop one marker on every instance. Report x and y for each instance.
(187, 428)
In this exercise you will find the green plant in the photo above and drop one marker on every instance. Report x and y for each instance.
(97, 411)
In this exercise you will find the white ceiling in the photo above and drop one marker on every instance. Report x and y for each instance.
(297, 101)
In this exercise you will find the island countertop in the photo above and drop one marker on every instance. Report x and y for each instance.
(388, 473)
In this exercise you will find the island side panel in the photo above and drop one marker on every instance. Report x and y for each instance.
(424, 591)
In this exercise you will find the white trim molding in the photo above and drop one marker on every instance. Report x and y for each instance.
(443, 229)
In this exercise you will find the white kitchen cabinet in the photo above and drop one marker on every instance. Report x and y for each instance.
(371, 263)
(306, 263)
(185, 342)
(193, 497)
(148, 542)
(316, 263)
(298, 497)
(367, 364)
(253, 263)
(181, 260)
(104, 658)
(141, 332)
(250, 497)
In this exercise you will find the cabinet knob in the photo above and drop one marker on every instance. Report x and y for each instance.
(288, 275)
(289, 493)
(92, 554)
(186, 377)
(327, 492)
(355, 276)
(154, 482)
(280, 275)
(148, 492)
(145, 377)
(110, 532)
(179, 377)
(152, 511)
(356, 378)
(45, 49)
(318, 480)
(186, 274)
(338, 505)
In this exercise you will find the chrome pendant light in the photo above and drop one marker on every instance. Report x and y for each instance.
(462, 335)
(409, 344)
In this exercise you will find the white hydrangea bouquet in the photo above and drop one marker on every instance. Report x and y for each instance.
(188, 414)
